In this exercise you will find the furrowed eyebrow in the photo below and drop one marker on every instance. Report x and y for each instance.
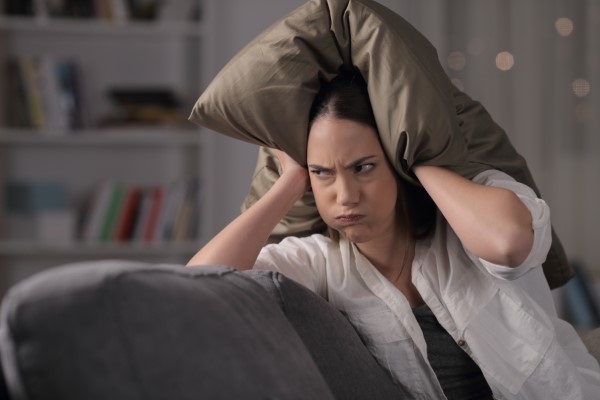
(356, 163)
(350, 165)
(319, 167)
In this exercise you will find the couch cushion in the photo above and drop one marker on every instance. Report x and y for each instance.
(124, 330)
(344, 361)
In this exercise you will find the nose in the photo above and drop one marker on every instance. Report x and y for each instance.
(347, 191)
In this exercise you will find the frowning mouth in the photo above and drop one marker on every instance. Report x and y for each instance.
(348, 219)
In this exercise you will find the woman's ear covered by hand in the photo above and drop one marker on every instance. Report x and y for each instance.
(239, 243)
(292, 170)
(491, 222)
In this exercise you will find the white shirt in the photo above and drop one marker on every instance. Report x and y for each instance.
(503, 317)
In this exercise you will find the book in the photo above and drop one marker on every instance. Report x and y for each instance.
(174, 197)
(141, 218)
(145, 105)
(33, 92)
(44, 93)
(184, 216)
(34, 197)
(55, 106)
(96, 212)
(70, 93)
(187, 214)
(156, 204)
(16, 110)
(125, 220)
(111, 215)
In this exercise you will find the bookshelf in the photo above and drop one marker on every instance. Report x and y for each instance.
(141, 140)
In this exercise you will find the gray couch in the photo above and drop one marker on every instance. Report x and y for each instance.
(125, 330)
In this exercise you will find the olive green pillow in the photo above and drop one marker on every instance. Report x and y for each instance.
(264, 94)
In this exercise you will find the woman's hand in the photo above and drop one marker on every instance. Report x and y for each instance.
(490, 222)
(240, 242)
(293, 173)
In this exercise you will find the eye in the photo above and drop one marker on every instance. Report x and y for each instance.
(321, 172)
(364, 168)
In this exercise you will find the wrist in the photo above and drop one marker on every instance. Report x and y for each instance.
(294, 182)
(420, 170)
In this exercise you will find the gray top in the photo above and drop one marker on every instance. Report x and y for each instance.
(459, 376)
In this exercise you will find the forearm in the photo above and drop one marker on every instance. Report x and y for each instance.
(491, 222)
(240, 242)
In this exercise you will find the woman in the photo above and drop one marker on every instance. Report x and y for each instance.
(453, 303)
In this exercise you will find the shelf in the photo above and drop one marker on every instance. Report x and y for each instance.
(77, 249)
(100, 27)
(175, 54)
(95, 137)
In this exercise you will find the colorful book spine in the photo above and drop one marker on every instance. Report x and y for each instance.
(156, 204)
(158, 214)
(127, 214)
(44, 93)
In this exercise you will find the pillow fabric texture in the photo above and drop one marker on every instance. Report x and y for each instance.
(264, 94)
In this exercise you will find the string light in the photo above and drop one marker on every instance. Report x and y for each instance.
(456, 60)
(564, 26)
(505, 61)
(581, 87)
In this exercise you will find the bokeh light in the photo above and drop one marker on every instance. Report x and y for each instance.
(581, 87)
(505, 61)
(456, 60)
(564, 26)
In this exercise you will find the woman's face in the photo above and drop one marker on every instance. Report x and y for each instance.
(354, 186)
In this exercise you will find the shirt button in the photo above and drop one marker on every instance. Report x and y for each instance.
(461, 342)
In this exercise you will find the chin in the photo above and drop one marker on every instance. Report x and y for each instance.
(355, 236)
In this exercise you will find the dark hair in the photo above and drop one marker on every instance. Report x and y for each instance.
(346, 97)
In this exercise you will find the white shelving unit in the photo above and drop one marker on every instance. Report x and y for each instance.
(166, 54)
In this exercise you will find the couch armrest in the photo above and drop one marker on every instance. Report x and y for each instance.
(125, 330)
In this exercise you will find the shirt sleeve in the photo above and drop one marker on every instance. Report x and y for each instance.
(300, 259)
(540, 213)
